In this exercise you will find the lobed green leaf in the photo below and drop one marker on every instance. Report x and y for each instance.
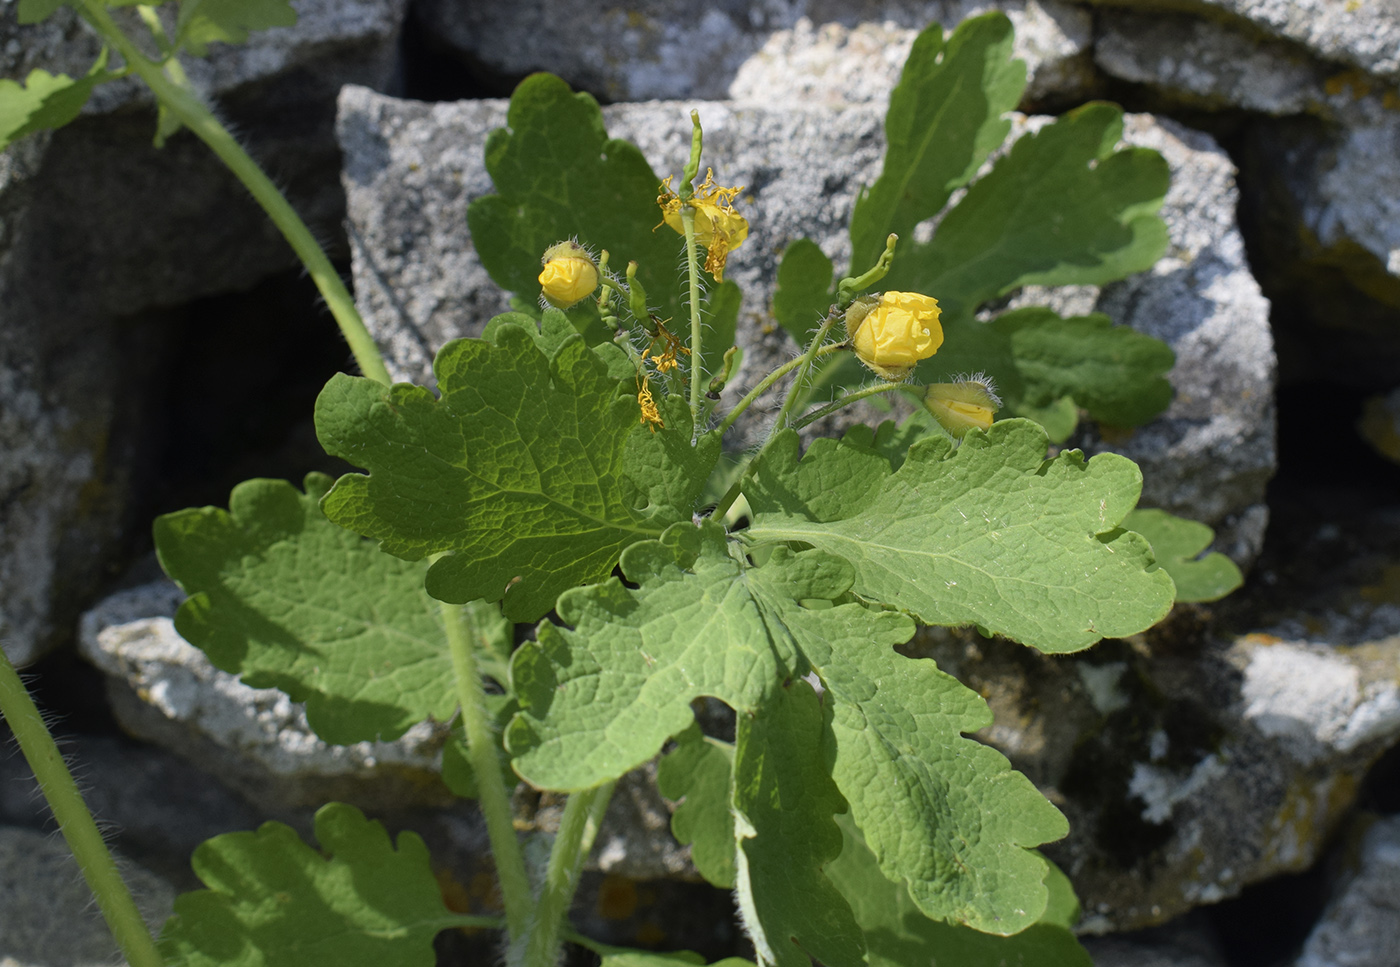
(45, 101)
(699, 772)
(898, 934)
(289, 600)
(803, 292)
(273, 901)
(532, 469)
(784, 803)
(1177, 544)
(987, 533)
(946, 115)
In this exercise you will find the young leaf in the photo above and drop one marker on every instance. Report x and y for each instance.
(202, 22)
(291, 601)
(519, 469)
(45, 101)
(944, 813)
(699, 771)
(804, 293)
(33, 11)
(784, 801)
(1177, 544)
(946, 115)
(1035, 357)
(897, 934)
(989, 533)
(275, 902)
(1060, 208)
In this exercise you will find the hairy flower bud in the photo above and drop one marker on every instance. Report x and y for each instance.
(569, 274)
(967, 403)
(892, 333)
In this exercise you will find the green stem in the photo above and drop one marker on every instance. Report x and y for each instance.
(74, 820)
(697, 329)
(185, 106)
(804, 364)
(846, 400)
(769, 380)
(486, 765)
(577, 830)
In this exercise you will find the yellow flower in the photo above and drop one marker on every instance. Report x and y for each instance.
(569, 274)
(891, 334)
(651, 416)
(969, 402)
(718, 226)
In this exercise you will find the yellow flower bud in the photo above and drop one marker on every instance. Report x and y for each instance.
(891, 334)
(569, 274)
(968, 403)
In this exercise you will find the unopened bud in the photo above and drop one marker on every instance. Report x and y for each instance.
(569, 274)
(968, 403)
(893, 332)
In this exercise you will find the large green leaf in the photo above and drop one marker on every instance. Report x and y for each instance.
(1035, 357)
(987, 533)
(1178, 543)
(202, 22)
(946, 115)
(45, 100)
(601, 696)
(1060, 208)
(784, 801)
(273, 901)
(897, 934)
(943, 813)
(521, 469)
(289, 600)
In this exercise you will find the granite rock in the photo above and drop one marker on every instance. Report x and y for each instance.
(1361, 926)
(98, 229)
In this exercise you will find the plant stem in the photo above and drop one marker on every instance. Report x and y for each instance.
(804, 364)
(577, 829)
(486, 765)
(768, 381)
(697, 329)
(846, 400)
(191, 112)
(74, 820)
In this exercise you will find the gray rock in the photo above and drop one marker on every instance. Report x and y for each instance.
(47, 914)
(257, 741)
(411, 170)
(1187, 769)
(665, 49)
(96, 224)
(1361, 926)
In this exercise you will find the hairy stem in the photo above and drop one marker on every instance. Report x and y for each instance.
(577, 830)
(697, 329)
(191, 112)
(804, 364)
(769, 380)
(846, 400)
(486, 765)
(74, 820)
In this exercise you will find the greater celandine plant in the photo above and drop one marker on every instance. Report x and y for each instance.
(567, 475)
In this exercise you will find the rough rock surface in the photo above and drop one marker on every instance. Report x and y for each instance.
(663, 49)
(47, 914)
(411, 170)
(166, 691)
(1361, 927)
(112, 228)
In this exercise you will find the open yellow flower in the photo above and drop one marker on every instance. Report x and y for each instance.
(967, 403)
(718, 226)
(892, 333)
(569, 275)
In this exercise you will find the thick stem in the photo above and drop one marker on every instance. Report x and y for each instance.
(486, 765)
(185, 106)
(577, 830)
(74, 820)
(846, 400)
(768, 381)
